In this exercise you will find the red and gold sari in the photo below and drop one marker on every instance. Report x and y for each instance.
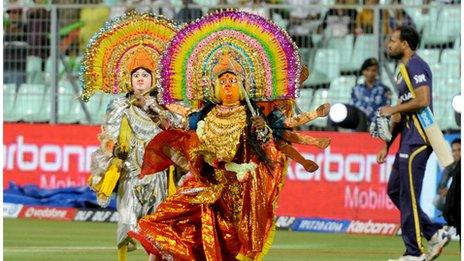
(213, 215)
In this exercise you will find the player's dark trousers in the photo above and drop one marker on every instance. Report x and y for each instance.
(404, 189)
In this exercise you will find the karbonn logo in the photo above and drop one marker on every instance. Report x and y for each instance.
(370, 227)
(45, 213)
(47, 157)
(350, 167)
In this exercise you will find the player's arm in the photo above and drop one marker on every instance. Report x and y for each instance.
(395, 127)
(421, 101)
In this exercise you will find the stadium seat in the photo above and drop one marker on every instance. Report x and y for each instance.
(9, 96)
(316, 38)
(444, 29)
(97, 106)
(431, 56)
(438, 76)
(48, 69)
(420, 20)
(389, 82)
(443, 93)
(439, 110)
(29, 101)
(344, 46)
(34, 74)
(364, 47)
(206, 2)
(444, 112)
(94, 107)
(457, 44)
(68, 104)
(74, 113)
(340, 89)
(450, 59)
(320, 97)
(452, 87)
(448, 20)
(278, 20)
(305, 56)
(327, 62)
(304, 100)
(44, 113)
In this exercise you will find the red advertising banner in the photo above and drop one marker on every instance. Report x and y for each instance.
(50, 156)
(349, 183)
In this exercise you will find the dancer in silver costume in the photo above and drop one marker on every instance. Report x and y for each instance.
(123, 58)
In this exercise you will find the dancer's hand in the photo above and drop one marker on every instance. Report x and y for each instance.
(323, 110)
(139, 100)
(258, 123)
(119, 152)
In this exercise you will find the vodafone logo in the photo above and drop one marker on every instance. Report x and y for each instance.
(47, 213)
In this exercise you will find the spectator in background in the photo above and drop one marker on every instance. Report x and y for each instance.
(164, 8)
(372, 94)
(188, 14)
(446, 178)
(94, 17)
(396, 18)
(303, 21)
(67, 16)
(365, 19)
(452, 208)
(339, 21)
(38, 30)
(255, 6)
(367, 97)
(14, 48)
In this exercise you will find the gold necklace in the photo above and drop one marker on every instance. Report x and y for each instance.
(222, 131)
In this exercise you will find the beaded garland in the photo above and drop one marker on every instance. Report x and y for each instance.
(223, 128)
(103, 64)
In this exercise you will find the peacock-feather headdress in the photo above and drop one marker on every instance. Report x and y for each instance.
(124, 43)
(260, 51)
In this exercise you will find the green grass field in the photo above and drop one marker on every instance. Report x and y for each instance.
(58, 240)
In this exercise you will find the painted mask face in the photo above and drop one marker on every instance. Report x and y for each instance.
(141, 81)
(229, 89)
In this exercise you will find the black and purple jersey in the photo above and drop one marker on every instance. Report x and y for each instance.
(420, 75)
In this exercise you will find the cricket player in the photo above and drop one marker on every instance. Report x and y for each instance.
(405, 183)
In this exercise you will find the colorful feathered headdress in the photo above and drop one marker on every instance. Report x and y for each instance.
(125, 43)
(260, 50)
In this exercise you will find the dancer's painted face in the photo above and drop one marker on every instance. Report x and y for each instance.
(229, 89)
(141, 81)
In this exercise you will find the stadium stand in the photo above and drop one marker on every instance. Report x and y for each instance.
(334, 61)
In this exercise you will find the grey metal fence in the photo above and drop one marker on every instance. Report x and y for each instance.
(43, 45)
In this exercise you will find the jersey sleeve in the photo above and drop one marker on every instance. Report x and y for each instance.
(419, 73)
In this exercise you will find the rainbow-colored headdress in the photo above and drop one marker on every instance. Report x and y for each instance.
(130, 40)
(262, 51)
